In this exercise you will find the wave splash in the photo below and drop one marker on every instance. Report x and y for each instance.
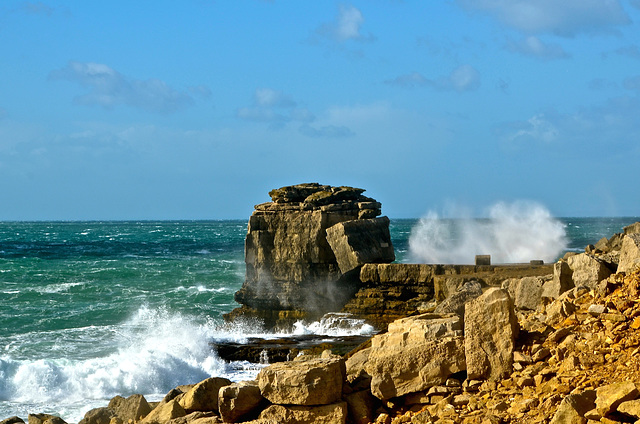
(514, 233)
(155, 351)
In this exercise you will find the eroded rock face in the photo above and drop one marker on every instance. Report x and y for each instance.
(290, 265)
(630, 253)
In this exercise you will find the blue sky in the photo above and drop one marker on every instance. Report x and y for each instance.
(196, 109)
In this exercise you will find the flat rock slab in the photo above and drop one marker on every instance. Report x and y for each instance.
(258, 350)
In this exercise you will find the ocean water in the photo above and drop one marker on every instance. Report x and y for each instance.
(90, 310)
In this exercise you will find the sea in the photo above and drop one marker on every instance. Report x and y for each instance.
(91, 310)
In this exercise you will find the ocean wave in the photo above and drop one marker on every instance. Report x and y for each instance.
(156, 350)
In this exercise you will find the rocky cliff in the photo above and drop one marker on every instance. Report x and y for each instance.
(304, 250)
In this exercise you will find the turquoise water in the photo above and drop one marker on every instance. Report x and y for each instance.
(90, 310)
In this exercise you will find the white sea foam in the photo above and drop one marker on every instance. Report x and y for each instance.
(516, 232)
(334, 324)
(156, 351)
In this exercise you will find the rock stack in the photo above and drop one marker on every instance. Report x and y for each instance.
(304, 250)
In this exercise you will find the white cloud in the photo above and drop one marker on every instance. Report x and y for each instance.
(564, 18)
(274, 107)
(463, 78)
(327, 131)
(108, 88)
(533, 46)
(36, 8)
(268, 97)
(346, 26)
(604, 126)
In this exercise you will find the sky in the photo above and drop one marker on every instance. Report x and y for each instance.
(195, 109)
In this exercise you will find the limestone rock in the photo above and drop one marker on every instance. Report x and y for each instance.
(12, 420)
(490, 330)
(416, 353)
(630, 253)
(204, 395)
(632, 229)
(456, 301)
(526, 292)
(609, 397)
(98, 416)
(132, 408)
(164, 413)
(360, 407)
(335, 413)
(631, 408)
(45, 419)
(573, 408)
(357, 242)
(312, 382)
(561, 282)
(238, 400)
(587, 270)
(290, 266)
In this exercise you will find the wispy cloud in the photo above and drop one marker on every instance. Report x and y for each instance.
(565, 18)
(35, 8)
(327, 131)
(109, 88)
(600, 127)
(534, 47)
(463, 78)
(632, 51)
(632, 83)
(346, 26)
(275, 108)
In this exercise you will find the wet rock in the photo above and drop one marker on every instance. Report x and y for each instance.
(12, 420)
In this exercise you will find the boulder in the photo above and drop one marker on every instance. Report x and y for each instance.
(526, 292)
(335, 413)
(12, 420)
(573, 408)
(358, 242)
(134, 408)
(454, 304)
(630, 408)
(98, 416)
(561, 282)
(305, 383)
(587, 270)
(630, 253)
(490, 328)
(610, 396)
(45, 419)
(415, 354)
(204, 395)
(164, 413)
(632, 229)
(238, 400)
(361, 405)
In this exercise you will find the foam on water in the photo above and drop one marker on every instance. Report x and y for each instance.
(334, 324)
(516, 232)
(155, 351)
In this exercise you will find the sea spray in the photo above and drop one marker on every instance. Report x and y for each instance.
(156, 350)
(513, 233)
